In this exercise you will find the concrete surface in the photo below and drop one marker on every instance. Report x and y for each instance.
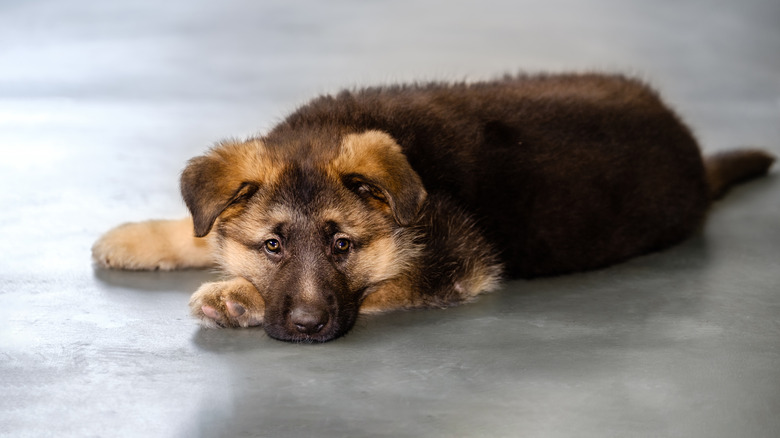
(102, 102)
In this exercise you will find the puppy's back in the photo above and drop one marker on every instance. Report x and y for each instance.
(562, 172)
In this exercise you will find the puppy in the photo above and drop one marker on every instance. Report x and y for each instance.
(426, 195)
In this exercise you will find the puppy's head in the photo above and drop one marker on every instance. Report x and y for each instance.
(315, 225)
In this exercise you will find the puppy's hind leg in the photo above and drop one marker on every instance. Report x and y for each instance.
(455, 265)
(153, 245)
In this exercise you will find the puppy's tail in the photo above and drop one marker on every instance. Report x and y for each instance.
(726, 169)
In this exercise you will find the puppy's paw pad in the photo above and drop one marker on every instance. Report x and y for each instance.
(210, 312)
(234, 309)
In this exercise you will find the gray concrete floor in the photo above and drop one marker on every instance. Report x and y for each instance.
(101, 103)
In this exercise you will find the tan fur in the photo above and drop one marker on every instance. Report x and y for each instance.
(397, 292)
(479, 280)
(376, 155)
(359, 153)
(236, 301)
(153, 245)
(213, 182)
(392, 295)
(257, 223)
(388, 257)
(233, 254)
(236, 259)
(247, 161)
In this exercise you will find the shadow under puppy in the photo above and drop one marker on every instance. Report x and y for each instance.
(426, 195)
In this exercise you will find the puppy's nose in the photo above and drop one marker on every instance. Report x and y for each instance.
(308, 320)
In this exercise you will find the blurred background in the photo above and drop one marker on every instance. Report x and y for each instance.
(102, 103)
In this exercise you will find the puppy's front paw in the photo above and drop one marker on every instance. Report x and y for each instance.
(152, 245)
(231, 303)
(130, 246)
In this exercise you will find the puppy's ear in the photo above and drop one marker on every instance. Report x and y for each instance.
(373, 165)
(228, 175)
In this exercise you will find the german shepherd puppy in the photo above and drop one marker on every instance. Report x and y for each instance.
(425, 195)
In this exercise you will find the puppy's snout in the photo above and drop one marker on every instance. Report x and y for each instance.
(308, 320)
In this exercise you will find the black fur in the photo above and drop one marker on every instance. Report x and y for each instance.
(562, 173)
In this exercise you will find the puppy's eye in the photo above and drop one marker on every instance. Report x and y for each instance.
(341, 246)
(273, 246)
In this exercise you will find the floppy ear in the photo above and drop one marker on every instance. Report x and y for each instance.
(229, 174)
(373, 165)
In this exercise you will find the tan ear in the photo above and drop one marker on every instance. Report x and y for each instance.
(372, 163)
(229, 174)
